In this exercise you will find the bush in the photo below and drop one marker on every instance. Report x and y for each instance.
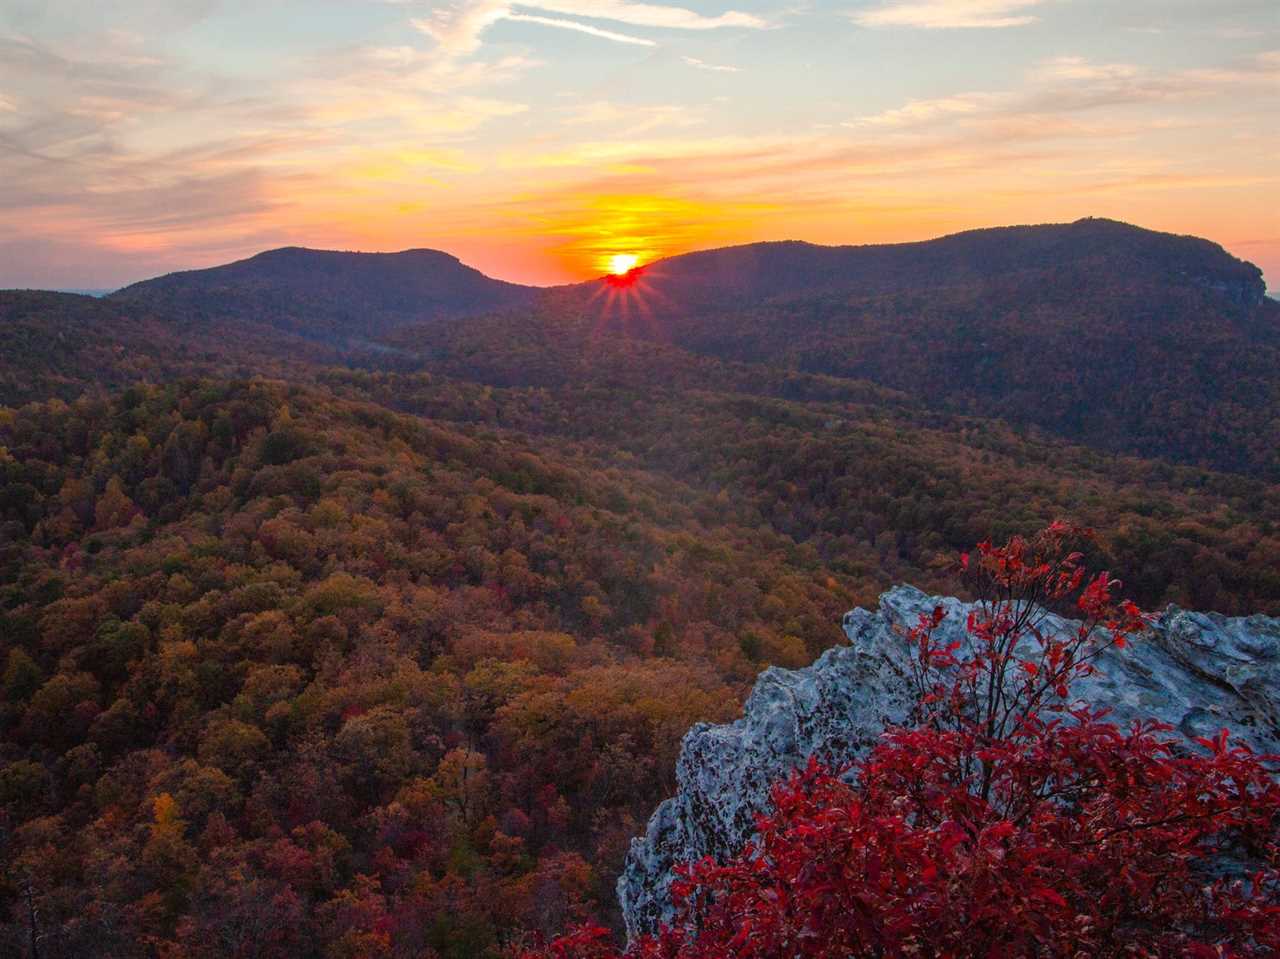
(1008, 822)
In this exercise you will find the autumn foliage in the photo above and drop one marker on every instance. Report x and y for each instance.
(1010, 821)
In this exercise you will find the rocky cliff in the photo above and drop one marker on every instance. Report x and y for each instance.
(1199, 672)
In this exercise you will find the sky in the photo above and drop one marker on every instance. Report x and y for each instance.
(538, 140)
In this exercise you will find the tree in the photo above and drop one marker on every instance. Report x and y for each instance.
(1009, 821)
(114, 507)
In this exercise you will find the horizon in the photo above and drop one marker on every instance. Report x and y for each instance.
(537, 140)
(100, 292)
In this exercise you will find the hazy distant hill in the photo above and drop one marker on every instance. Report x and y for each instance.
(329, 295)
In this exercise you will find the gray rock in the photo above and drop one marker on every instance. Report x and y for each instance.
(1198, 672)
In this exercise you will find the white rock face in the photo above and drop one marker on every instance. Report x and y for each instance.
(1198, 672)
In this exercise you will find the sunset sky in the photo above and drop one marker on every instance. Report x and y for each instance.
(538, 140)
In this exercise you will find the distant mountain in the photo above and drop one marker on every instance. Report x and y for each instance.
(1121, 338)
(302, 638)
(326, 295)
(762, 271)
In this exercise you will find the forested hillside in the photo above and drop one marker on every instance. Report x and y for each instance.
(340, 631)
(327, 295)
(1124, 362)
(1115, 337)
(288, 667)
(65, 345)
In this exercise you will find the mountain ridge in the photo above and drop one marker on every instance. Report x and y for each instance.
(1098, 225)
(752, 271)
(326, 294)
(1125, 339)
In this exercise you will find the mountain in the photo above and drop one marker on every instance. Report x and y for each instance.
(1119, 338)
(310, 641)
(331, 296)
(1123, 339)
(1197, 673)
(763, 271)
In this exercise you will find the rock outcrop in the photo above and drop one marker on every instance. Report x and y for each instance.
(1199, 672)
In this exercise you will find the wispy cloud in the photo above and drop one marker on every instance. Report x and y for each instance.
(562, 24)
(1073, 84)
(630, 120)
(1079, 68)
(713, 67)
(458, 27)
(929, 110)
(649, 15)
(949, 14)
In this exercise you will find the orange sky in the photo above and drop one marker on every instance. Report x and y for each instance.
(537, 140)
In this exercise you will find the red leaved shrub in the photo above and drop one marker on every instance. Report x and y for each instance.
(1008, 821)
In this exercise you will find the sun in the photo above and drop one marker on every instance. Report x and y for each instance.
(621, 263)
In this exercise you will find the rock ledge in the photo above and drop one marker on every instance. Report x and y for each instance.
(1199, 672)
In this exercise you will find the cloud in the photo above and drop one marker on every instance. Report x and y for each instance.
(631, 121)
(1078, 68)
(457, 29)
(714, 67)
(1070, 127)
(1261, 69)
(648, 15)
(580, 28)
(1073, 84)
(929, 110)
(949, 14)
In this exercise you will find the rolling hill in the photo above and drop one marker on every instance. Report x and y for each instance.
(763, 271)
(325, 295)
(1120, 338)
(1123, 339)
(62, 345)
(319, 620)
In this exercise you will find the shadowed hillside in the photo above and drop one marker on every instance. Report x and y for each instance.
(63, 345)
(328, 295)
(1128, 340)
(405, 633)
(762, 271)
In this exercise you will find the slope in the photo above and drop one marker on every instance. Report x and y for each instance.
(333, 296)
(1120, 338)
